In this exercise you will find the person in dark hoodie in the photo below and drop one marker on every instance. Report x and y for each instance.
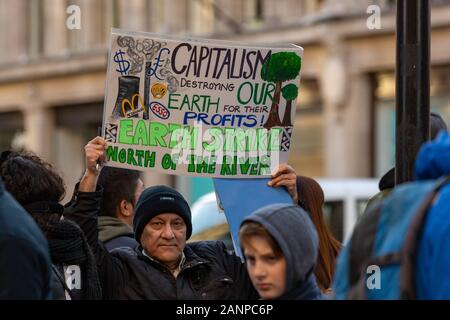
(387, 181)
(121, 191)
(307, 193)
(280, 246)
(38, 188)
(25, 268)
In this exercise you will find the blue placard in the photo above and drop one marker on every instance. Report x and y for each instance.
(240, 197)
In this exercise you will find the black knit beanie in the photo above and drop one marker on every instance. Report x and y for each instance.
(156, 200)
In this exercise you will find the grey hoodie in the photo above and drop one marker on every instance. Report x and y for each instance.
(114, 233)
(293, 230)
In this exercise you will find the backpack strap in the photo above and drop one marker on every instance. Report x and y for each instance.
(362, 242)
(409, 250)
(361, 248)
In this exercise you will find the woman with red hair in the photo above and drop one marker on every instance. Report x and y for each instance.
(307, 193)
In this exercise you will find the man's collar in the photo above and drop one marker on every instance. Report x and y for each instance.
(175, 272)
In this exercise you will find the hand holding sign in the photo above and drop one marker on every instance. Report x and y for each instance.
(285, 176)
(95, 158)
(235, 194)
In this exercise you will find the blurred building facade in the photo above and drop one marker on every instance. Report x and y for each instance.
(52, 79)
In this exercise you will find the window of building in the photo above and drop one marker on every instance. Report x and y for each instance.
(307, 147)
(35, 44)
(259, 10)
(333, 213)
(97, 19)
(75, 37)
(155, 15)
(252, 13)
(201, 17)
(385, 112)
(311, 6)
(75, 125)
(111, 18)
(11, 131)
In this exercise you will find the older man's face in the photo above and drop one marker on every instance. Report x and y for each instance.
(164, 238)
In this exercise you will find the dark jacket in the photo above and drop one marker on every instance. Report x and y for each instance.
(74, 271)
(294, 232)
(209, 271)
(25, 269)
(115, 234)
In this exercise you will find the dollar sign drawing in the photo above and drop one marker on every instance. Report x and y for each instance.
(124, 65)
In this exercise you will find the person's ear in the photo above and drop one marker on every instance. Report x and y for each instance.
(126, 208)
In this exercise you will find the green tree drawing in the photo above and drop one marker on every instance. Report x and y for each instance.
(279, 67)
(290, 93)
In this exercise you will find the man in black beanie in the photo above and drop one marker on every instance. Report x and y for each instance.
(163, 266)
(162, 224)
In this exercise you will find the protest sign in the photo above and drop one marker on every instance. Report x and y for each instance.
(199, 107)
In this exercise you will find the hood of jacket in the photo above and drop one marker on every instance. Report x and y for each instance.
(110, 228)
(387, 181)
(433, 159)
(293, 230)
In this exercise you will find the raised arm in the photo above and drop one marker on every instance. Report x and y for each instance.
(84, 208)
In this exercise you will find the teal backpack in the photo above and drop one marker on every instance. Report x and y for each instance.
(384, 244)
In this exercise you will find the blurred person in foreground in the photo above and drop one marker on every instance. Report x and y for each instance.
(406, 236)
(39, 189)
(25, 267)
